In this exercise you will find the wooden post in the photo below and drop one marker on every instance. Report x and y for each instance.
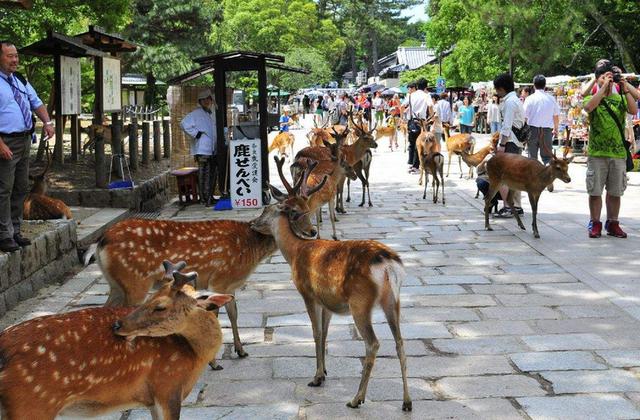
(145, 142)
(221, 113)
(116, 144)
(157, 146)
(133, 143)
(75, 138)
(262, 103)
(166, 138)
(58, 151)
(101, 167)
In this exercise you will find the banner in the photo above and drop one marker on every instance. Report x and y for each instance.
(246, 176)
(70, 81)
(111, 100)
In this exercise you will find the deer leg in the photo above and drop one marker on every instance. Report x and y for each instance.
(477, 193)
(440, 170)
(172, 409)
(232, 312)
(348, 190)
(421, 172)
(332, 217)
(487, 205)
(426, 182)
(315, 313)
(391, 308)
(435, 186)
(365, 328)
(449, 164)
(533, 200)
(318, 220)
(513, 210)
(326, 319)
(364, 187)
(460, 164)
(366, 174)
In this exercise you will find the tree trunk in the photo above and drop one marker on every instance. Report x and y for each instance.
(352, 58)
(627, 60)
(374, 53)
(150, 92)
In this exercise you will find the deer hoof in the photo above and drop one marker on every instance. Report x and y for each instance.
(361, 205)
(536, 235)
(355, 403)
(489, 228)
(241, 353)
(215, 366)
(335, 238)
(316, 382)
(407, 406)
(370, 205)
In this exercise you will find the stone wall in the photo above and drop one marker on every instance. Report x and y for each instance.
(51, 254)
(147, 196)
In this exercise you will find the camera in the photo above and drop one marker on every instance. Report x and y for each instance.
(617, 74)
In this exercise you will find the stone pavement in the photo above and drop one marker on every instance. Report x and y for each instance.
(497, 325)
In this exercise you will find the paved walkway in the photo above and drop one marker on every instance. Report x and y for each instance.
(497, 324)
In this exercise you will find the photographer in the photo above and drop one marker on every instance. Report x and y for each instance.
(606, 164)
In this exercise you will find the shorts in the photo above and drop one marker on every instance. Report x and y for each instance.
(609, 172)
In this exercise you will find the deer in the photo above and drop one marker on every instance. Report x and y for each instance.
(389, 131)
(281, 142)
(431, 161)
(523, 174)
(97, 360)
(335, 170)
(363, 164)
(39, 206)
(318, 135)
(345, 277)
(456, 144)
(103, 130)
(474, 159)
(224, 253)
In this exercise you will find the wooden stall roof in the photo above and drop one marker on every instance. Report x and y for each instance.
(98, 38)
(58, 44)
(235, 61)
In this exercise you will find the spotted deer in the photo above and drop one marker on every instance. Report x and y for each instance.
(522, 174)
(346, 277)
(431, 162)
(39, 206)
(97, 360)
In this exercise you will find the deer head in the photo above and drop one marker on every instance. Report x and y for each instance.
(293, 205)
(40, 179)
(364, 136)
(560, 168)
(336, 153)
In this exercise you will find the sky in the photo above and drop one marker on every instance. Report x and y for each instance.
(418, 12)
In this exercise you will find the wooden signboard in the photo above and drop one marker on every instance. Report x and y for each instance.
(111, 99)
(70, 81)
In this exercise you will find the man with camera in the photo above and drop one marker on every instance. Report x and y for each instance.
(606, 163)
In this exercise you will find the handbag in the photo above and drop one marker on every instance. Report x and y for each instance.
(413, 125)
(625, 144)
(522, 133)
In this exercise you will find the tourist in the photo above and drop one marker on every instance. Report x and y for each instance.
(467, 116)
(285, 121)
(18, 102)
(606, 161)
(341, 109)
(306, 105)
(512, 118)
(542, 114)
(442, 109)
(200, 125)
(493, 114)
(378, 107)
(419, 103)
(317, 111)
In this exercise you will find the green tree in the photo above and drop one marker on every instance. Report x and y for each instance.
(308, 59)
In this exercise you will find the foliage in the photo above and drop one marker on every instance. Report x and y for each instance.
(429, 72)
(308, 59)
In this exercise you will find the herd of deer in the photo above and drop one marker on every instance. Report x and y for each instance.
(135, 352)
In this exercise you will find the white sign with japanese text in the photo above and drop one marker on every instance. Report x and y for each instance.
(246, 173)
(70, 81)
(112, 99)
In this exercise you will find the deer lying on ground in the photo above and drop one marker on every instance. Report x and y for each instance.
(431, 162)
(456, 144)
(474, 159)
(346, 277)
(224, 252)
(281, 142)
(37, 205)
(97, 360)
(522, 174)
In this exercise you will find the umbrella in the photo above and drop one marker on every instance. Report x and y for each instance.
(314, 93)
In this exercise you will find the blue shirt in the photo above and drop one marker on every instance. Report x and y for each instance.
(284, 124)
(11, 119)
(466, 115)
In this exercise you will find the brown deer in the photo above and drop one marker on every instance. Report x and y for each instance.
(340, 277)
(104, 130)
(318, 135)
(474, 159)
(281, 142)
(39, 206)
(363, 164)
(431, 162)
(389, 131)
(456, 144)
(522, 174)
(224, 252)
(97, 360)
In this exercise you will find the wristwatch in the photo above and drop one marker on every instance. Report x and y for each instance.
(50, 122)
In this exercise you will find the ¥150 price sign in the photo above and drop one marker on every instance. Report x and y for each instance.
(246, 176)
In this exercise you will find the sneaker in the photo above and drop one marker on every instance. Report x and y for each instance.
(519, 210)
(613, 229)
(595, 229)
(21, 240)
(504, 212)
(8, 245)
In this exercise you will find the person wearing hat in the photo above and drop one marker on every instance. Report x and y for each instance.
(200, 125)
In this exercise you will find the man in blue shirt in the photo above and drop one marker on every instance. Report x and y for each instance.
(285, 121)
(18, 100)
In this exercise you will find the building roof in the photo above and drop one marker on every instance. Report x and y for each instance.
(58, 44)
(131, 79)
(406, 58)
(102, 40)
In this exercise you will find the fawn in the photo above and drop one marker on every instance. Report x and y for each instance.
(456, 144)
(37, 205)
(431, 162)
(281, 142)
(474, 159)
(522, 174)
(96, 360)
(339, 277)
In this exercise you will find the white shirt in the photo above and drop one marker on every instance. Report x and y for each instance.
(493, 113)
(420, 102)
(377, 104)
(512, 116)
(540, 108)
(201, 120)
(443, 109)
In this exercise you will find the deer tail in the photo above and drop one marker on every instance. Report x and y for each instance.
(89, 253)
(388, 267)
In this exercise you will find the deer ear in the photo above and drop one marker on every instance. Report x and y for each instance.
(277, 194)
(213, 302)
(180, 279)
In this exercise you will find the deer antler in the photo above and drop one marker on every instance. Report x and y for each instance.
(279, 165)
(303, 180)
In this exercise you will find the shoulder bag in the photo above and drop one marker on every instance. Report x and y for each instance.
(625, 143)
